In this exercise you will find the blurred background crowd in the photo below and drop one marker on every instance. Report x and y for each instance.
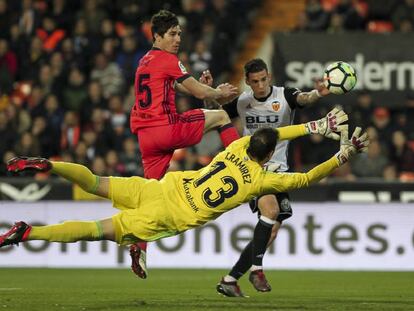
(67, 79)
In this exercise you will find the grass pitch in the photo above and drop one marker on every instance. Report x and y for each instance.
(119, 289)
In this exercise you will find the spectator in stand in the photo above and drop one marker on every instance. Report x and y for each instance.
(402, 153)
(336, 24)
(81, 40)
(6, 156)
(372, 133)
(131, 158)
(53, 120)
(34, 102)
(199, 59)
(71, 131)
(106, 37)
(128, 57)
(390, 173)
(19, 119)
(371, 164)
(59, 73)
(49, 34)
(93, 100)
(362, 110)
(194, 13)
(118, 117)
(381, 9)
(381, 120)
(75, 91)
(67, 157)
(93, 15)
(45, 79)
(353, 18)
(27, 145)
(41, 133)
(62, 15)
(7, 135)
(403, 14)
(17, 43)
(107, 30)
(70, 58)
(109, 47)
(109, 76)
(318, 145)
(407, 115)
(81, 153)
(89, 138)
(54, 115)
(8, 66)
(113, 166)
(29, 19)
(99, 166)
(119, 122)
(5, 18)
(31, 59)
(104, 138)
(228, 25)
(131, 11)
(317, 19)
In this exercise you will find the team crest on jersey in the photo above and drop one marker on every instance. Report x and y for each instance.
(183, 70)
(276, 106)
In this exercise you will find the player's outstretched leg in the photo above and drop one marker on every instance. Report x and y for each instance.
(229, 289)
(66, 232)
(76, 173)
(18, 233)
(139, 260)
(20, 164)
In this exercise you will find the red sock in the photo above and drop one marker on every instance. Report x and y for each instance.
(228, 134)
(143, 246)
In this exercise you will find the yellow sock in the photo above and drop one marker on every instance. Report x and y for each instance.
(69, 231)
(77, 174)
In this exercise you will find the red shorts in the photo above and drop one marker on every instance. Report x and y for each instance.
(157, 144)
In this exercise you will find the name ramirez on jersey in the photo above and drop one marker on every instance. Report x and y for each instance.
(241, 166)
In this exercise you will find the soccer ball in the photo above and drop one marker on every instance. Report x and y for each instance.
(340, 77)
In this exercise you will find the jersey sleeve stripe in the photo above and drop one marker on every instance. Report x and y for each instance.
(182, 78)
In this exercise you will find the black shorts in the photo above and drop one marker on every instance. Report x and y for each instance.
(283, 200)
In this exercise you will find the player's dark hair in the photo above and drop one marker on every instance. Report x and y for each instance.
(162, 21)
(254, 65)
(262, 143)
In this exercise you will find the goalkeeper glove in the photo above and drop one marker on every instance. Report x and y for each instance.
(328, 125)
(358, 143)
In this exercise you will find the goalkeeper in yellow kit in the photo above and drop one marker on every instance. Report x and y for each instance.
(152, 209)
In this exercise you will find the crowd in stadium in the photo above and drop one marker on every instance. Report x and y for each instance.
(67, 78)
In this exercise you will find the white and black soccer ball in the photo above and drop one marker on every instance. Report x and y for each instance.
(340, 77)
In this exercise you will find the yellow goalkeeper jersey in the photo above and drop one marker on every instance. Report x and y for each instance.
(152, 209)
(232, 178)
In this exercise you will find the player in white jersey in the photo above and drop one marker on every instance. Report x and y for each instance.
(265, 105)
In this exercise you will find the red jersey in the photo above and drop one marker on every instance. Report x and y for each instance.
(154, 89)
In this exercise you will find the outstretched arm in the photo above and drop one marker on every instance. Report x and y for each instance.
(283, 182)
(306, 98)
(203, 91)
(327, 126)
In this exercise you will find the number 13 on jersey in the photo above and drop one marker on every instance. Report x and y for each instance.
(230, 186)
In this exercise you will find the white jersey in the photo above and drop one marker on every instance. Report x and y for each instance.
(273, 111)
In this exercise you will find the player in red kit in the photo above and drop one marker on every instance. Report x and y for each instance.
(154, 119)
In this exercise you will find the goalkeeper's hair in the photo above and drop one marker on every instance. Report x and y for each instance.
(262, 143)
(162, 21)
(254, 65)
